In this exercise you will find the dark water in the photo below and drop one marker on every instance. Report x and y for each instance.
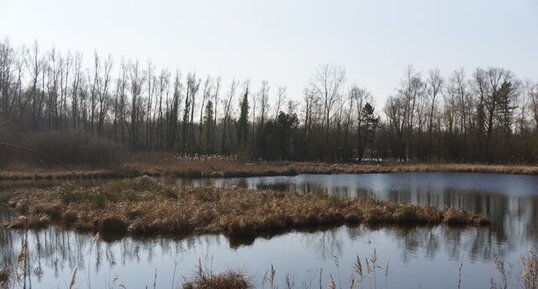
(418, 257)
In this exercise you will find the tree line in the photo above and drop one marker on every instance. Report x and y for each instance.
(484, 115)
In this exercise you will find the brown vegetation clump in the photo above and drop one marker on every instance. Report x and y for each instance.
(156, 164)
(37, 221)
(4, 277)
(459, 217)
(209, 280)
(327, 168)
(142, 207)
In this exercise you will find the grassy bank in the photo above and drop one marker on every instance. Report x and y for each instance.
(215, 166)
(156, 165)
(143, 207)
(324, 168)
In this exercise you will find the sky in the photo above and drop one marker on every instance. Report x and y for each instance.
(285, 41)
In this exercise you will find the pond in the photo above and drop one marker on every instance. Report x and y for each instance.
(417, 257)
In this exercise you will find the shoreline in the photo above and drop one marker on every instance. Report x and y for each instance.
(261, 169)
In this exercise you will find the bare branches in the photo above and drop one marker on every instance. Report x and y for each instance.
(487, 115)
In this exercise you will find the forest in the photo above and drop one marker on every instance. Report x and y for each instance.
(47, 97)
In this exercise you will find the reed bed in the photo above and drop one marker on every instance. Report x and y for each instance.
(326, 168)
(144, 207)
(202, 166)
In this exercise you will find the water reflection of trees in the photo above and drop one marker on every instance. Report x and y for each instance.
(60, 251)
(415, 241)
(514, 226)
(514, 218)
(427, 242)
(327, 243)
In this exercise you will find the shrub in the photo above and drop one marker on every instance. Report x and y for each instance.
(69, 148)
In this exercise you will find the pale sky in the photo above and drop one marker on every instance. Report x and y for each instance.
(284, 41)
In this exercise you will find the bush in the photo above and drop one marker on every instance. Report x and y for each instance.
(70, 148)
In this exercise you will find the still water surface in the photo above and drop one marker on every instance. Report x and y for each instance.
(418, 257)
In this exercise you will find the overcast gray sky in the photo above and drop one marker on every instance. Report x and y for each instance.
(283, 41)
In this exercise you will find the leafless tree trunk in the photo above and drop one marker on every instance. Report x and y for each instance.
(136, 82)
(205, 95)
(327, 85)
(227, 110)
(215, 104)
(103, 96)
(435, 86)
(281, 98)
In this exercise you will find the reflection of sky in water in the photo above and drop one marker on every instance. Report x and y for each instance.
(419, 257)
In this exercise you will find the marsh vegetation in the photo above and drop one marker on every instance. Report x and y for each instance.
(142, 207)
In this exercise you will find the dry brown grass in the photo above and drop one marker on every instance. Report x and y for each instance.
(160, 164)
(144, 207)
(528, 276)
(325, 168)
(157, 165)
(529, 273)
(208, 280)
(204, 166)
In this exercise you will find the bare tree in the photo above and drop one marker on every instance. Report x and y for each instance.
(76, 90)
(193, 84)
(136, 81)
(533, 96)
(327, 86)
(151, 88)
(164, 90)
(103, 95)
(227, 110)
(173, 115)
(36, 70)
(412, 89)
(263, 96)
(361, 97)
(281, 99)
(215, 104)
(396, 112)
(7, 65)
(435, 86)
(205, 96)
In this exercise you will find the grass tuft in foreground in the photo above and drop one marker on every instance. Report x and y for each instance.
(205, 279)
(144, 207)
